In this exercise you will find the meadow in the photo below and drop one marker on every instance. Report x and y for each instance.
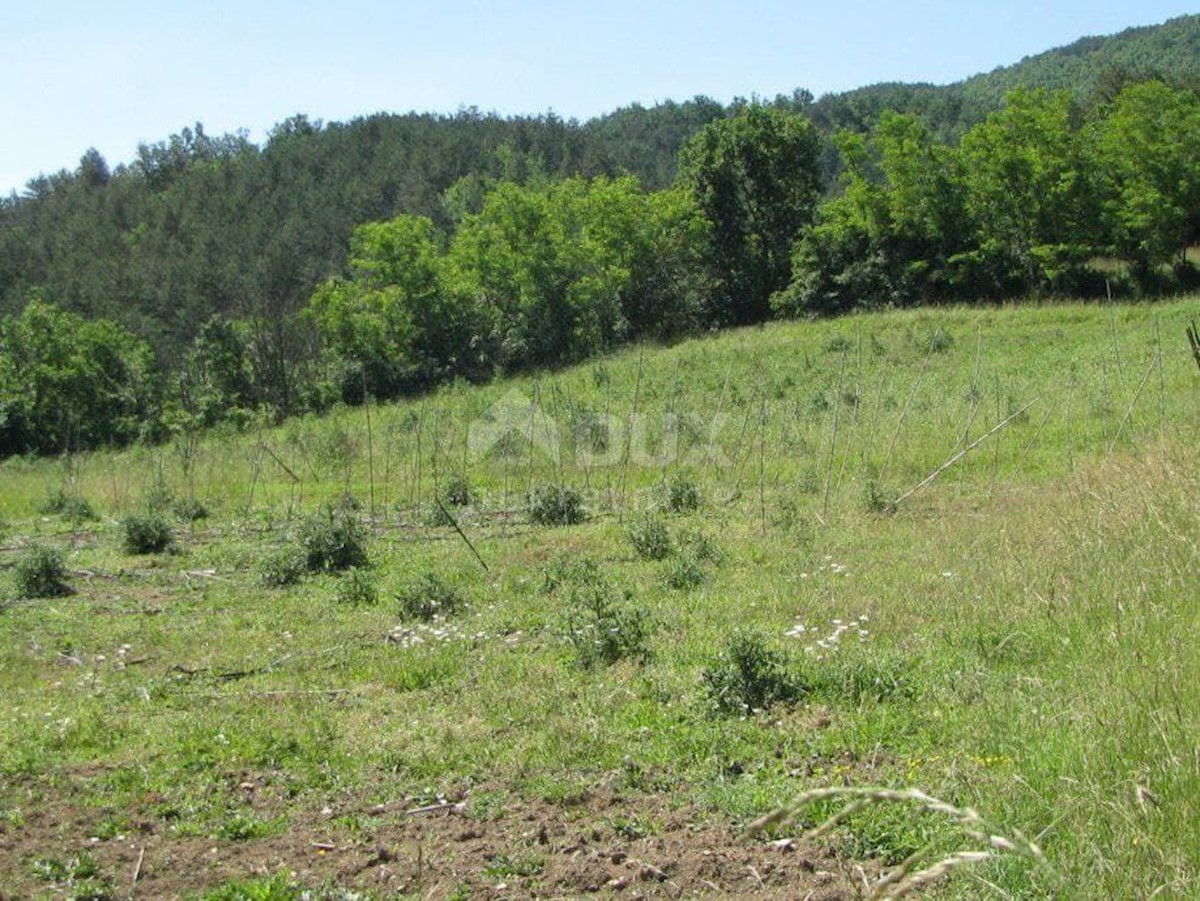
(574, 633)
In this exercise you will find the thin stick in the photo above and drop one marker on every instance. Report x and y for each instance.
(966, 450)
(370, 445)
(837, 415)
(637, 395)
(1133, 403)
(137, 871)
(1112, 318)
(461, 534)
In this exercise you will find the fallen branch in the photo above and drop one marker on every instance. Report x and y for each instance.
(962, 453)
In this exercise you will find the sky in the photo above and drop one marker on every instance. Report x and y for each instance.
(115, 75)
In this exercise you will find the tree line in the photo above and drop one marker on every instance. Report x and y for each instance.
(528, 265)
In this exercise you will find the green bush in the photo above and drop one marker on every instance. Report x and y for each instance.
(74, 507)
(357, 589)
(333, 540)
(748, 676)
(41, 573)
(429, 597)
(146, 533)
(680, 495)
(649, 537)
(602, 630)
(555, 505)
(457, 492)
(284, 567)
(685, 571)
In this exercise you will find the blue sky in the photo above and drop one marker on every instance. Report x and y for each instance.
(112, 75)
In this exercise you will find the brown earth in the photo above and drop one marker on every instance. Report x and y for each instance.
(596, 846)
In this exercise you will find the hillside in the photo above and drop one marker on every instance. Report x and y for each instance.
(1093, 69)
(951, 551)
(200, 224)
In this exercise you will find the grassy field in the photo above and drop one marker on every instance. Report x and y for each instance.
(954, 551)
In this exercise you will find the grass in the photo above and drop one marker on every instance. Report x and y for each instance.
(1022, 624)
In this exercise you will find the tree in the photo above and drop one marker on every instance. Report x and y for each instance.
(70, 384)
(1148, 156)
(756, 178)
(1029, 192)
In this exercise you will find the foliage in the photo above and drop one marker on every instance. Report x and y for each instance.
(1148, 156)
(555, 505)
(429, 597)
(649, 536)
(67, 383)
(756, 179)
(604, 624)
(41, 573)
(749, 676)
(146, 533)
(73, 506)
(357, 589)
(680, 494)
(333, 539)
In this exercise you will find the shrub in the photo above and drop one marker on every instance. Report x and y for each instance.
(333, 539)
(603, 631)
(457, 492)
(685, 571)
(429, 597)
(649, 537)
(566, 569)
(555, 505)
(879, 498)
(680, 495)
(74, 507)
(284, 567)
(358, 589)
(146, 533)
(748, 675)
(41, 573)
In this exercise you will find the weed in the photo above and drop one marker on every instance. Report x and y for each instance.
(510, 865)
(457, 492)
(283, 567)
(78, 878)
(748, 676)
(146, 533)
(357, 589)
(685, 571)
(649, 537)
(334, 539)
(555, 505)
(837, 344)
(602, 631)
(429, 597)
(41, 573)
(680, 495)
(933, 340)
(279, 887)
(566, 569)
(878, 498)
(72, 506)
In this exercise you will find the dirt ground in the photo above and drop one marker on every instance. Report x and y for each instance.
(592, 847)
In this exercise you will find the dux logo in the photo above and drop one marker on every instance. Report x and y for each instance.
(516, 425)
(513, 416)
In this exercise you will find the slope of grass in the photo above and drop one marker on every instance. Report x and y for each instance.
(1013, 636)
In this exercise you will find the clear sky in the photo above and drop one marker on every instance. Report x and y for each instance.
(113, 75)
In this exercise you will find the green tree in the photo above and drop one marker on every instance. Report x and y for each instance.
(1148, 157)
(69, 384)
(1030, 195)
(756, 177)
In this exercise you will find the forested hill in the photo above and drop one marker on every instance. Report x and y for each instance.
(199, 224)
(1093, 69)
